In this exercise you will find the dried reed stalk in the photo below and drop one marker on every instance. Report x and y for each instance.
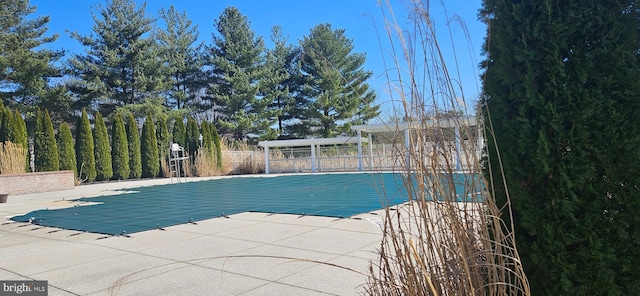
(445, 240)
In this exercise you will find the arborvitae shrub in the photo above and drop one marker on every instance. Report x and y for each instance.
(179, 131)
(191, 135)
(102, 149)
(44, 143)
(85, 158)
(162, 134)
(133, 138)
(119, 148)
(149, 149)
(66, 152)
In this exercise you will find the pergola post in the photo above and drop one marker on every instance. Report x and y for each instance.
(266, 160)
(407, 144)
(359, 150)
(458, 139)
(370, 152)
(313, 157)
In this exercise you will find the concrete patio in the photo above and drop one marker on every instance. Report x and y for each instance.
(244, 254)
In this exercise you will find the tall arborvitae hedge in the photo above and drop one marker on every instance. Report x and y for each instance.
(44, 143)
(85, 158)
(149, 149)
(562, 96)
(119, 149)
(3, 132)
(217, 145)
(102, 149)
(66, 152)
(133, 137)
(162, 134)
(7, 125)
(191, 135)
(179, 132)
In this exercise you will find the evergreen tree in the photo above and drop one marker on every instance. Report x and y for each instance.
(162, 134)
(237, 60)
(217, 145)
(8, 125)
(179, 131)
(3, 132)
(122, 63)
(183, 59)
(66, 152)
(335, 93)
(26, 64)
(85, 158)
(191, 135)
(119, 148)
(149, 149)
(280, 84)
(207, 136)
(133, 139)
(19, 133)
(44, 144)
(562, 86)
(102, 149)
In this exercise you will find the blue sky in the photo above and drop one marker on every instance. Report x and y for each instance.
(362, 20)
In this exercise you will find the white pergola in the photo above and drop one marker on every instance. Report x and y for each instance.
(394, 127)
(311, 143)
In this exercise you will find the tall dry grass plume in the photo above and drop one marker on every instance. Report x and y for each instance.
(449, 238)
(12, 158)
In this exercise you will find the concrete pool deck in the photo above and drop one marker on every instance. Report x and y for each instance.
(244, 254)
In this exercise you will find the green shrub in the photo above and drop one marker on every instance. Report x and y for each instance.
(162, 134)
(102, 149)
(133, 138)
(149, 149)
(66, 152)
(85, 158)
(44, 143)
(191, 136)
(119, 148)
(179, 132)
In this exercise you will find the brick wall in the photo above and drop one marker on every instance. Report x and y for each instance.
(36, 182)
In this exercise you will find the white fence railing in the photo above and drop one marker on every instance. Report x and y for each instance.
(379, 157)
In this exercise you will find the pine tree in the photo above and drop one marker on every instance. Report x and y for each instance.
(149, 149)
(562, 86)
(335, 91)
(133, 139)
(121, 65)
(280, 84)
(102, 149)
(179, 131)
(66, 152)
(44, 144)
(237, 59)
(85, 158)
(162, 134)
(119, 148)
(26, 63)
(182, 57)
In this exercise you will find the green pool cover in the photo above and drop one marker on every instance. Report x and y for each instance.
(146, 208)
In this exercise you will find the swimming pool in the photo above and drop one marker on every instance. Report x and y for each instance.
(145, 208)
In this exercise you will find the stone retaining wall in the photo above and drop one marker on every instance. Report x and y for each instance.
(36, 182)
